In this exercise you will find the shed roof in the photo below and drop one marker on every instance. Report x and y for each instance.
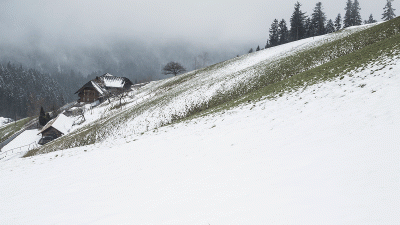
(61, 123)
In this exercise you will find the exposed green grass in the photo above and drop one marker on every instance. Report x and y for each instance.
(270, 78)
(333, 69)
(309, 67)
(8, 130)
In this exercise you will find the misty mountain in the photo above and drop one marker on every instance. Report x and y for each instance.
(137, 60)
(23, 91)
(57, 71)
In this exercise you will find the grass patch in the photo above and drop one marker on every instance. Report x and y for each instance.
(319, 64)
(336, 68)
(8, 130)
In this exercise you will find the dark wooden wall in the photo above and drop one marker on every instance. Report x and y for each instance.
(51, 131)
(88, 95)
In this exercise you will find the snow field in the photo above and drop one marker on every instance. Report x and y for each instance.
(328, 154)
(26, 141)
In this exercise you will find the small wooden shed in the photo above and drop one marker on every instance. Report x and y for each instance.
(57, 126)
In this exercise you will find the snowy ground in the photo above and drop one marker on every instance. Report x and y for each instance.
(26, 141)
(329, 154)
(4, 121)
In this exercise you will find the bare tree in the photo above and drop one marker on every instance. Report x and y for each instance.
(120, 95)
(173, 68)
(81, 118)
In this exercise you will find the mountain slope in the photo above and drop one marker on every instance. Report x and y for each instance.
(326, 153)
(266, 73)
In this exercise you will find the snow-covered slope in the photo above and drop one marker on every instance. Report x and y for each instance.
(327, 153)
(24, 142)
(164, 102)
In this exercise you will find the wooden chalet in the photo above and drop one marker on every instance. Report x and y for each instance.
(101, 87)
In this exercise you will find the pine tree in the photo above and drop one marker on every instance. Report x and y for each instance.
(258, 48)
(318, 20)
(297, 29)
(47, 117)
(274, 33)
(388, 11)
(370, 20)
(308, 27)
(251, 50)
(330, 27)
(347, 21)
(42, 117)
(338, 22)
(355, 13)
(267, 45)
(283, 32)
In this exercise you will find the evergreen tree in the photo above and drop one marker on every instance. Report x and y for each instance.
(251, 50)
(283, 32)
(274, 33)
(370, 20)
(347, 21)
(297, 28)
(47, 117)
(309, 27)
(258, 48)
(355, 13)
(318, 19)
(330, 27)
(388, 11)
(267, 45)
(42, 117)
(338, 22)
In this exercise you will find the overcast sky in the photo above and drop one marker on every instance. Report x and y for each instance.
(206, 22)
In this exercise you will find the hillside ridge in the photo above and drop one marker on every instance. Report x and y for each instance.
(268, 73)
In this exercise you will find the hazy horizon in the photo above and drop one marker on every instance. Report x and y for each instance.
(64, 31)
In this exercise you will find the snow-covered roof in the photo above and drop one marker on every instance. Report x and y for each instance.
(98, 88)
(112, 81)
(107, 81)
(62, 123)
